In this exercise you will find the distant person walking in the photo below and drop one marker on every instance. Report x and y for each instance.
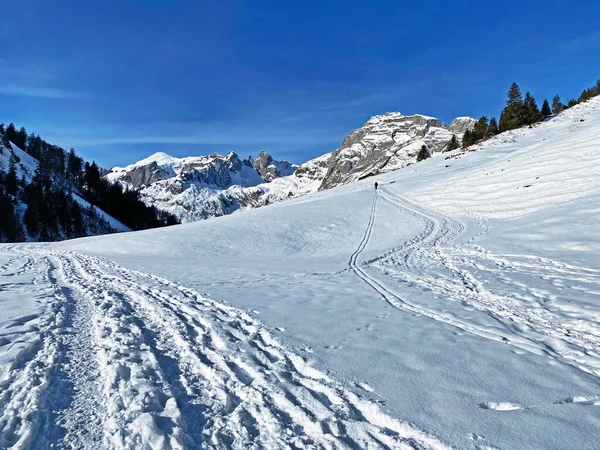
(376, 185)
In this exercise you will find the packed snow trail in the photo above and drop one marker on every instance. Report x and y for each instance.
(432, 262)
(130, 360)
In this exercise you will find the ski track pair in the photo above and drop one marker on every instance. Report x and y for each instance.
(432, 262)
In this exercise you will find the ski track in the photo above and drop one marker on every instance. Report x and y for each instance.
(430, 261)
(131, 360)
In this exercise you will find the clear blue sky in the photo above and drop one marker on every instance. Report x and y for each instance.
(119, 80)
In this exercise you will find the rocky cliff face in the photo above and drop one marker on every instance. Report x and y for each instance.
(388, 142)
(269, 169)
(196, 188)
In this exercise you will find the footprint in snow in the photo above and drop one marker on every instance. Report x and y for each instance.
(593, 400)
(501, 406)
(365, 386)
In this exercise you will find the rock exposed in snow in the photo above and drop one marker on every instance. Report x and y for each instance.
(270, 169)
(462, 124)
(388, 142)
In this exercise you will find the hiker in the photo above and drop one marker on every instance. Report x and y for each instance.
(376, 185)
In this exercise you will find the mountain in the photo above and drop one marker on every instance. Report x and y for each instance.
(269, 169)
(388, 142)
(196, 188)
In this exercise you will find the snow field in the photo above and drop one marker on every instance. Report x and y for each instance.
(174, 370)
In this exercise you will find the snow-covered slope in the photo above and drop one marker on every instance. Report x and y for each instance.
(460, 298)
(25, 164)
(112, 222)
(201, 187)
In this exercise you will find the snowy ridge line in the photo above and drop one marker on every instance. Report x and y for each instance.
(211, 375)
(578, 348)
(24, 386)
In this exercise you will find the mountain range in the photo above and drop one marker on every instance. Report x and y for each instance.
(199, 187)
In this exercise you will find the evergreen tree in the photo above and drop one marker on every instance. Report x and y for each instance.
(10, 227)
(51, 211)
(530, 109)
(11, 132)
(572, 102)
(557, 105)
(493, 127)
(6, 142)
(21, 138)
(74, 168)
(423, 153)
(513, 112)
(452, 143)
(467, 139)
(480, 130)
(11, 182)
(546, 111)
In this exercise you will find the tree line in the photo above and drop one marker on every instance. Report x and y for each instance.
(45, 208)
(518, 111)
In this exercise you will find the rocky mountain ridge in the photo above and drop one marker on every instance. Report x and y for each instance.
(195, 188)
(389, 142)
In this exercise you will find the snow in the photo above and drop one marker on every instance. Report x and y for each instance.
(453, 307)
(114, 223)
(26, 165)
(161, 159)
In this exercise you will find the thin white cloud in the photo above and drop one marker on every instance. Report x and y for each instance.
(586, 42)
(233, 134)
(17, 90)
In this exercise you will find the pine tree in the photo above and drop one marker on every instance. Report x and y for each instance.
(546, 111)
(11, 181)
(21, 138)
(6, 141)
(531, 111)
(423, 153)
(10, 227)
(572, 102)
(452, 143)
(493, 127)
(467, 139)
(557, 105)
(480, 130)
(74, 168)
(512, 114)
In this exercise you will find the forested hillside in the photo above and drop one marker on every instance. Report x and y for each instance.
(48, 194)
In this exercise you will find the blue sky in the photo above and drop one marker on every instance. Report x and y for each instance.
(119, 80)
